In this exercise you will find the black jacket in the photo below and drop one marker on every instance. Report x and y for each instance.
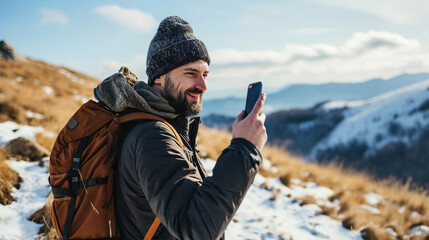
(155, 177)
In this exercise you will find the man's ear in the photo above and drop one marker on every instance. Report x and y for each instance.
(157, 81)
(157, 86)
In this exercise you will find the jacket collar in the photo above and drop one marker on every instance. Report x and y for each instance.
(187, 127)
(181, 124)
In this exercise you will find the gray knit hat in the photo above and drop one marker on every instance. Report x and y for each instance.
(174, 45)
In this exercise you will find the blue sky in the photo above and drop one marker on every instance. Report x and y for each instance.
(276, 42)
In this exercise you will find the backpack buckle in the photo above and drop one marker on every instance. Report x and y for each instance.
(74, 181)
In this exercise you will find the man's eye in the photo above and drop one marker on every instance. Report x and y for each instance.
(191, 74)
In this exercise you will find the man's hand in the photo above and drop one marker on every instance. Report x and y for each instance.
(252, 127)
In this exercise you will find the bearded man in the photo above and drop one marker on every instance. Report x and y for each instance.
(156, 177)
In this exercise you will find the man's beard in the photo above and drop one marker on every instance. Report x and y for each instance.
(180, 103)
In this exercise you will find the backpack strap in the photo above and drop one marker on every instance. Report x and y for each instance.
(63, 192)
(152, 230)
(143, 116)
(74, 183)
(139, 116)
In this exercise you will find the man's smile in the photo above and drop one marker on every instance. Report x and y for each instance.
(194, 96)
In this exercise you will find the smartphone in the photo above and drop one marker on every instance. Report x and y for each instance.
(254, 90)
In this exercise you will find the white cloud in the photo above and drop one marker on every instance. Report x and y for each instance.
(131, 18)
(394, 11)
(364, 56)
(363, 42)
(53, 16)
(359, 44)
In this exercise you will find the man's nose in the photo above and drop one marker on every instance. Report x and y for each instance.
(201, 83)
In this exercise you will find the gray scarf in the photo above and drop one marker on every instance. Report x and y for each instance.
(118, 94)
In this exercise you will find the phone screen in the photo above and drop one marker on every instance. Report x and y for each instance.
(254, 90)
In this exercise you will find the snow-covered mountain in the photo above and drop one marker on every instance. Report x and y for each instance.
(387, 135)
(397, 116)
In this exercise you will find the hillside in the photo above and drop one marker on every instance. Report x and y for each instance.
(392, 129)
(33, 87)
(386, 135)
(291, 199)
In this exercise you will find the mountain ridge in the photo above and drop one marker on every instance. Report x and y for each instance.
(308, 95)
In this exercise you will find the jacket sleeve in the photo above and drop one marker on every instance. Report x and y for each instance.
(189, 207)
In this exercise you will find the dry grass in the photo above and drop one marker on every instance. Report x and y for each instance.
(45, 140)
(8, 178)
(374, 233)
(23, 89)
(211, 142)
(307, 200)
(42, 216)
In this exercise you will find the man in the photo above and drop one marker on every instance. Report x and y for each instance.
(156, 177)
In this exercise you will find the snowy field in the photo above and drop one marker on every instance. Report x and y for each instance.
(32, 194)
(260, 216)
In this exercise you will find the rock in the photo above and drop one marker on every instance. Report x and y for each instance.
(12, 112)
(24, 149)
(7, 52)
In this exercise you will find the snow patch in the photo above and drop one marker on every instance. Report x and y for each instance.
(71, 76)
(31, 114)
(415, 214)
(29, 198)
(19, 78)
(10, 130)
(402, 209)
(311, 189)
(266, 164)
(370, 209)
(373, 198)
(419, 230)
(81, 98)
(50, 134)
(392, 232)
(48, 90)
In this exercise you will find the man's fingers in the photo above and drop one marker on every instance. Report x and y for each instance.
(258, 105)
(240, 116)
(262, 117)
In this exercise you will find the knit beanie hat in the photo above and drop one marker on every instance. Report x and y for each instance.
(174, 45)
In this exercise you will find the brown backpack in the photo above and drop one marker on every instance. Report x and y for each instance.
(81, 172)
